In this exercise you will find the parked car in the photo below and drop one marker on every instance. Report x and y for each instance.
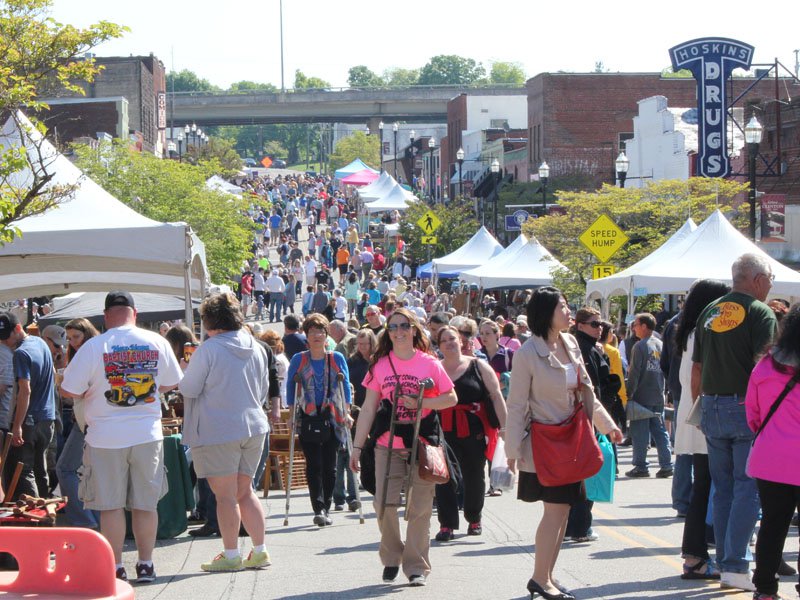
(250, 162)
(278, 164)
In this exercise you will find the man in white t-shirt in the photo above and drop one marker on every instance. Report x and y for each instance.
(119, 375)
(311, 271)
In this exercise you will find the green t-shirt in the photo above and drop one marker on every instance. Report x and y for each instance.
(730, 335)
(263, 262)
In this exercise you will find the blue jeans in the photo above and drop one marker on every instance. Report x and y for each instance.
(275, 305)
(259, 304)
(342, 467)
(735, 496)
(641, 431)
(682, 481)
(67, 467)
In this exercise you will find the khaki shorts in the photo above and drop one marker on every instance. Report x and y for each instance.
(219, 460)
(132, 478)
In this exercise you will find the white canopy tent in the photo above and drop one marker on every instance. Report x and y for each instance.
(475, 252)
(705, 253)
(396, 199)
(92, 242)
(215, 182)
(527, 265)
(377, 188)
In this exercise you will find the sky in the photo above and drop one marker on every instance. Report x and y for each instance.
(232, 41)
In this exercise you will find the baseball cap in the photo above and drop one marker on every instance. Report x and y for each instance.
(119, 298)
(8, 321)
(56, 334)
(522, 319)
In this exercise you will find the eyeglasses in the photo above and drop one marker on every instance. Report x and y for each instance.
(770, 276)
(594, 324)
(372, 314)
(395, 326)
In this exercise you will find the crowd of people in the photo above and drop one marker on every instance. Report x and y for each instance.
(366, 345)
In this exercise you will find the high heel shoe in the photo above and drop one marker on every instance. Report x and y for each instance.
(534, 588)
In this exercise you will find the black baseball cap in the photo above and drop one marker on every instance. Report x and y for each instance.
(119, 298)
(8, 321)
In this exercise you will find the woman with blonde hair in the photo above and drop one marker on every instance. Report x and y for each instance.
(401, 362)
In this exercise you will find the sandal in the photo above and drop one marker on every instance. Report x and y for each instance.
(494, 492)
(703, 570)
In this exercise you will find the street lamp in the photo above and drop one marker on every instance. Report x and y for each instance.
(366, 130)
(395, 127)
(194, 134)
(180, 144)
(431, 174)
(460, 159)
(622, 163)
(411, 136)
(495, 168)
(752, 135)
(380, 152)
(544, 175)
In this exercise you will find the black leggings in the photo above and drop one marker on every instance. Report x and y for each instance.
(694, 528)
(321, 472)
(778, 503)
(470, 454)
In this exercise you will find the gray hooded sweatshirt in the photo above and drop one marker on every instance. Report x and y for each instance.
(225, 387)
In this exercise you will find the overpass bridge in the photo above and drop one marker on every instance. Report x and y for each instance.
(420, 104)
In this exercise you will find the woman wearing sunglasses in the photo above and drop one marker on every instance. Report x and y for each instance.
(400, 363)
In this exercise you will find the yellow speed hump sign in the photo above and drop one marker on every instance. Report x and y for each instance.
(603, 238)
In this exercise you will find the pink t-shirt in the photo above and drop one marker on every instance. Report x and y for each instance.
(409, 373)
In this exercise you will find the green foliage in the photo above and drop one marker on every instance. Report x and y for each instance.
(37, 57)
(668, 73)
(188, 81)
(507, 72)
(361, 76)
(356, 145)
(220, 151)
(166, 190)
(450, 69)
(251, 86)
(303, 82)
(397, 77)
(648, 216)
(458, 225)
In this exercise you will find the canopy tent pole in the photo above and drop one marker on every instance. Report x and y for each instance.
(187, 282)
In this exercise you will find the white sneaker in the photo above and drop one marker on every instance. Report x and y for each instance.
(740, 581)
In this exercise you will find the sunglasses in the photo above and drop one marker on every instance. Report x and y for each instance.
(396, 326)
(594, 324)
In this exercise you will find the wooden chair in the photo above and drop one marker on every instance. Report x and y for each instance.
(278, 471)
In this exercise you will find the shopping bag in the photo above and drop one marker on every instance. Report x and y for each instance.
(600, 487)
(501, 477)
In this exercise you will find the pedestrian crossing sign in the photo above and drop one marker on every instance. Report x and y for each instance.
(429, 222)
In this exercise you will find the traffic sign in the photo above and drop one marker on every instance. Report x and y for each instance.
(603, 238)
(600, 271)
(428, 239)
(429, 222)
(514, 221)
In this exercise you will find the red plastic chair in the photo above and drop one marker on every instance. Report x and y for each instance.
(60, 562)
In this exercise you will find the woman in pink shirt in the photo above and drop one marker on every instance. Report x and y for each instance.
(773, 461)
(402, 360)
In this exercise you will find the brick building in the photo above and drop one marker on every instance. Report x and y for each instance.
(140, 80)
(578, 122)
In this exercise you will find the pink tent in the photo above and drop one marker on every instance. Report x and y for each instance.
(361, 177)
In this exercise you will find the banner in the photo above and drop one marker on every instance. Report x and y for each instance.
(773, 218)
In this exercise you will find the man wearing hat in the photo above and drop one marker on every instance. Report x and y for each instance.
(34, 415)
(119, 374)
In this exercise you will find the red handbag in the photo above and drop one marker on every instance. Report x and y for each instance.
(567, 452)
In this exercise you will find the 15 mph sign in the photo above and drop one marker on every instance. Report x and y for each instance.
(603, 238)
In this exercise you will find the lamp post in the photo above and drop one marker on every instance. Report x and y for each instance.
(544, 175)
(188, 131)
(431, 174)
(170, 149)
(199, 137)
(752, 135)
(495, 168)
(395, 127)
(194, 135)
(622, 163)
(460, 159)
(380, 151)
(180, 144)
(411, 136)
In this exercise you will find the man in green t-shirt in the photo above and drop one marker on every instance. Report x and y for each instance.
(730, 335)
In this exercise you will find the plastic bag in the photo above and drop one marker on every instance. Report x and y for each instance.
(501, 477)
(600, 487)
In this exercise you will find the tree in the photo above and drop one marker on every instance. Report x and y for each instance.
(507, 72)
(458, 225)
(303, 82)
(188, 81)
(356, 145)
(251, 86)
(219, 150)
(38, 56)
(449, 69)
(647, 215)
(361, 76)
(401, 77)
(169, 191)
